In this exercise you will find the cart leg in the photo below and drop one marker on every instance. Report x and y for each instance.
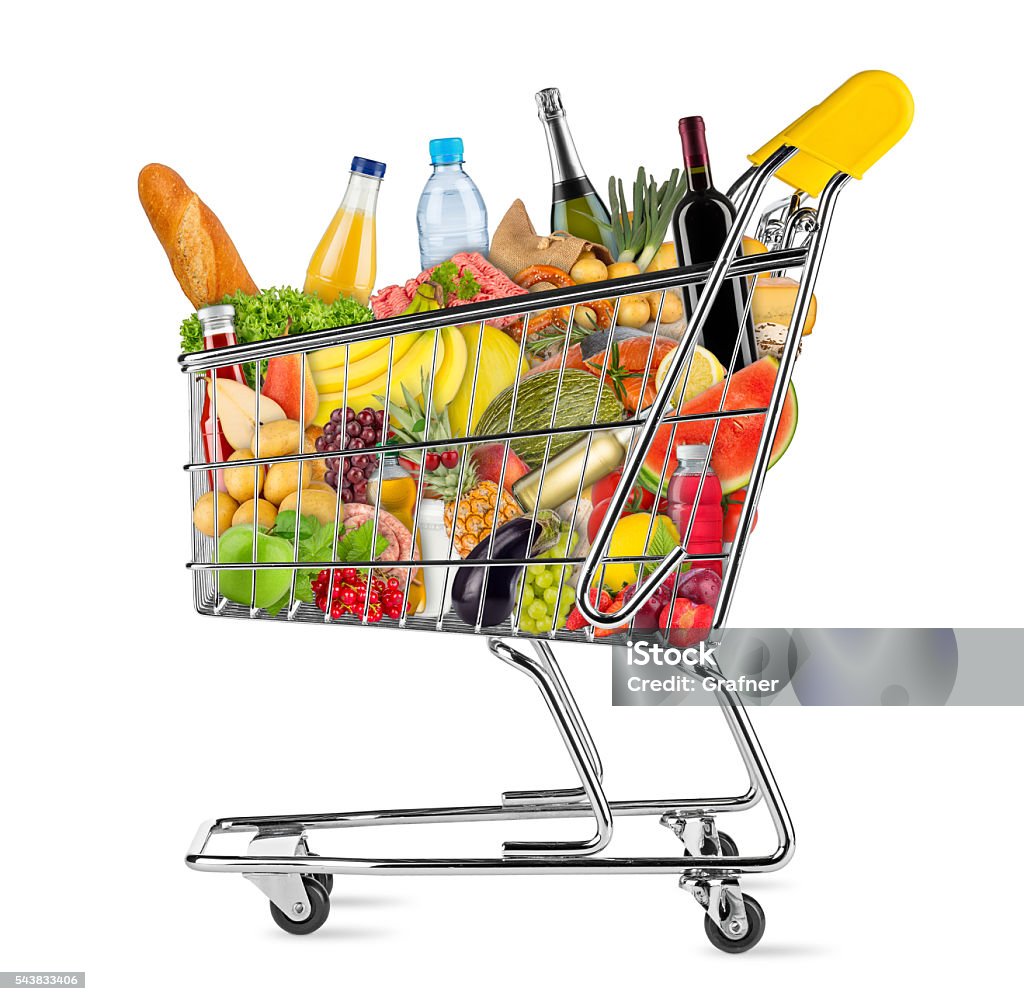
(543, 797)
(548, 678)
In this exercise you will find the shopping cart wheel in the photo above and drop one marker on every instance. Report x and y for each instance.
(729, 849)
(326, 879)
(755, 929)
(319, 902)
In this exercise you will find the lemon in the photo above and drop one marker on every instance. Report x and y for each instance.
(705, 371)
(629, 538)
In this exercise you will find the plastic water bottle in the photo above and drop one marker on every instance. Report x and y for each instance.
(451, 216)
(706, 536)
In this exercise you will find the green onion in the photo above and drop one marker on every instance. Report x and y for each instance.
(639, 239)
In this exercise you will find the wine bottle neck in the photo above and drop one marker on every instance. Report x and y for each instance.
(565, 161)
(695, 153)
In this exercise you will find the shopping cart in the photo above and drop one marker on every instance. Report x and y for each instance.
(817, 155)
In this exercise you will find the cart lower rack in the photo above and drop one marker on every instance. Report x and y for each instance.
(709, 865)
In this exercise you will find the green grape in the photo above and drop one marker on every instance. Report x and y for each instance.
(527, 596)
(566, 600)
(550, 597)
(545, 579)
(537, 610)
(544, 625)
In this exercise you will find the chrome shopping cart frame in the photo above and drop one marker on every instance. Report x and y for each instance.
(708, 864)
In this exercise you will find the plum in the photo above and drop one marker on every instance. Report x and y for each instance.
(702, 586)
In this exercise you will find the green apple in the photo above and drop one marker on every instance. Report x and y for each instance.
(235, 546)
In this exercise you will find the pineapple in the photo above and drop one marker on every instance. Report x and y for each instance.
(470, 515)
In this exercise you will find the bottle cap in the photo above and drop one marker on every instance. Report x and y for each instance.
(371, 168)
(224, 312)
(695, 147)
(549, 103)
(446, 150)
(692, 453)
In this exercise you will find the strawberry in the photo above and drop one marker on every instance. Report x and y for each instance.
(576, 619)
(685, 622)
(613, 607)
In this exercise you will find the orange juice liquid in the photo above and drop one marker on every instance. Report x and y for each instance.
(398, 497)
(345, 260)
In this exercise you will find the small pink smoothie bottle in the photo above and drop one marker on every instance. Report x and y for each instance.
(706, 535)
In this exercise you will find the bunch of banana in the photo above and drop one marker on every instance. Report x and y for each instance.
(412, 357)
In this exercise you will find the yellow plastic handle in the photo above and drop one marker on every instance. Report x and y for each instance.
(854, 126)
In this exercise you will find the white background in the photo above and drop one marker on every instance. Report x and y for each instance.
(126, 718)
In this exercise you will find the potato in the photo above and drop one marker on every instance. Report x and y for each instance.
(239, 481)
(634, 311)
(283, 479)
(277, 438)
(315, 484)
(664, 258)
(590, 270)
(267, 513)
(671, 311)
(319, 466)
(202, 514)
(622, 269)
(587, 255)
(319, 504)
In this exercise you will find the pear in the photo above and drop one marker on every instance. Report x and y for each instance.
(236, 411)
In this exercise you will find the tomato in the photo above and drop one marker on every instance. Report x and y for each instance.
(732, 503)
(596, 517)
(639, 498)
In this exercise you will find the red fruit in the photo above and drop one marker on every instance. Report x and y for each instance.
(490, 458)
(347, 596)
(639, 498)
(394, 584)
(374, 614)
(337, 611)
(732, 503)
(576, 619)
(685, 622)
(431, 460)
(449, 458)
(321, 603)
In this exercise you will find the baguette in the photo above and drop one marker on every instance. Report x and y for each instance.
(202, 256)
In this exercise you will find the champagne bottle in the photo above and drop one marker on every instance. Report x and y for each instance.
(575, 205)
(700, 224)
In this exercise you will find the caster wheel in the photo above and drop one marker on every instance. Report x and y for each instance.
(326, 879)
(729, 849)
(755, 929)
(320, 904)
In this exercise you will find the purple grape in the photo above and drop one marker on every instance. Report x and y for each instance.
(355, 475)
(365, 418)
(347, 495)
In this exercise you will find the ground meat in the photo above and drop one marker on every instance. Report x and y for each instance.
(494, 284)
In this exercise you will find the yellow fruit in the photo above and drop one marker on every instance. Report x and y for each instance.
(202, 515)
(421, 358)
(629, 538)
(332, 380)
(622, 269)
(453, 370)
(671, 309)
(705, 371)
(499, 362)
(334, 357)
(474, 519)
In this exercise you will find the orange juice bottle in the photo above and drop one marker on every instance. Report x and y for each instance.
(345, 260)
(397, 490)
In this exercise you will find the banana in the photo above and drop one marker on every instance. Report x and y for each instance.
(332, 380)
(451, 373)
(421, 357)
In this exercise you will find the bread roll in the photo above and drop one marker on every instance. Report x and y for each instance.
(202, 256)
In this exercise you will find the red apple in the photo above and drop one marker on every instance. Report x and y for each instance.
(489, 459)
(282, 386)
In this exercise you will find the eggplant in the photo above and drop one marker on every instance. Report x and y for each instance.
(517, 539)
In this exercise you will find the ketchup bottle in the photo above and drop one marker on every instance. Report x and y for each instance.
(706, 535)
(218, 323)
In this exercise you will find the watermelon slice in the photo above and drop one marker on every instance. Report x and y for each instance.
(736, 444)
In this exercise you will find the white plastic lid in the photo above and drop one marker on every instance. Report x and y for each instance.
(692, 453)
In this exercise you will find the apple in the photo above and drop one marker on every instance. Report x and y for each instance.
(235, 546)
(489, 459)
(236, 411)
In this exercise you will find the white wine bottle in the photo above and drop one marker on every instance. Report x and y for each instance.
(575, 205)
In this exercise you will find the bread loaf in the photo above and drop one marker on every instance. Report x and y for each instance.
(202, 256)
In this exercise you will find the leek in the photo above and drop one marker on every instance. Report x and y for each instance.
(640, 237)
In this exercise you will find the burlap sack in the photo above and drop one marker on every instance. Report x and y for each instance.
(516, 245)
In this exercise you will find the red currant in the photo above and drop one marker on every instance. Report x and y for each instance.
(347, 596)
(450, 459)
(393, 612)
(374, 614)
(321, 603)
(337, 611)
(394, 584)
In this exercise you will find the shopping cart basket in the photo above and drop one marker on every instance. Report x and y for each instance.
(817, 155)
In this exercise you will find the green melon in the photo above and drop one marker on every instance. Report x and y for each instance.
(736, 444)
(535, 401)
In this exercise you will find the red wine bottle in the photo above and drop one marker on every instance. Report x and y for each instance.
(700, 224)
